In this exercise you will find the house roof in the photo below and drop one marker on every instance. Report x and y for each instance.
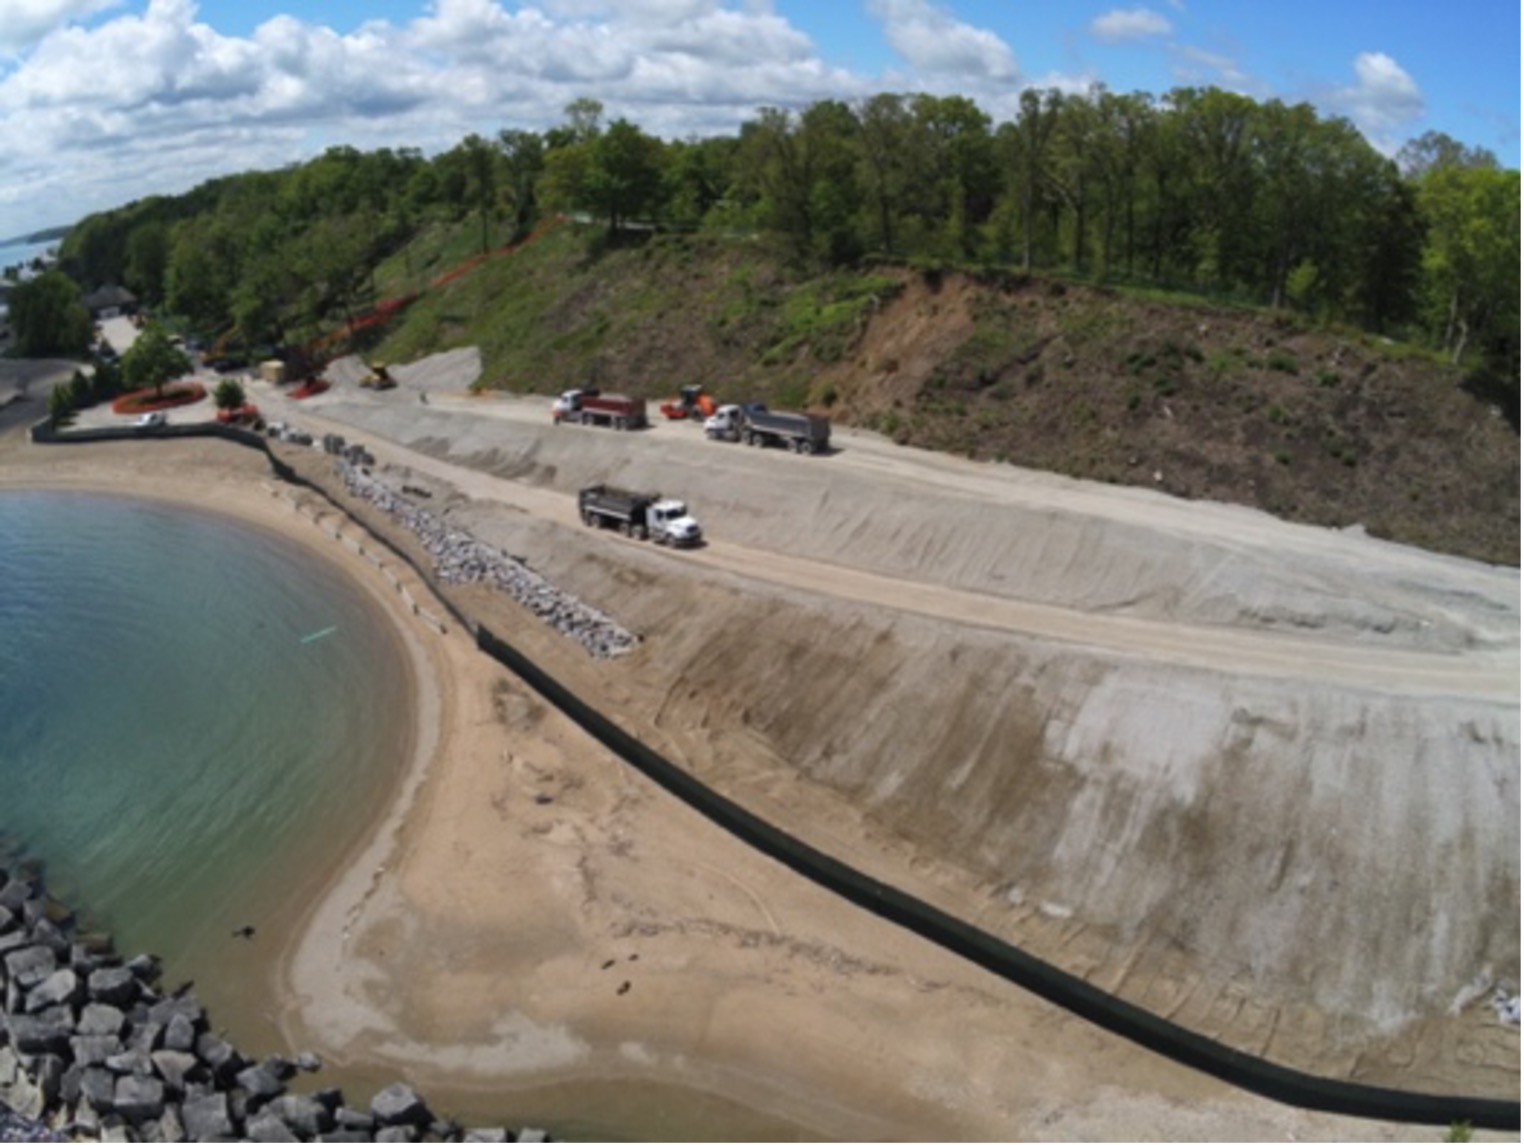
(108, 296)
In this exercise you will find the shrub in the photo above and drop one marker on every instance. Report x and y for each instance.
(1282, 361)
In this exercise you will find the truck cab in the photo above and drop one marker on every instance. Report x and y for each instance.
(566, 405)
(724, 424)
(669, 523)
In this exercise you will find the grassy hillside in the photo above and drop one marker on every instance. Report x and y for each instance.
(1314, 425)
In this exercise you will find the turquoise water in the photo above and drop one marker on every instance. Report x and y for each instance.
(169, 746)
(188, 756)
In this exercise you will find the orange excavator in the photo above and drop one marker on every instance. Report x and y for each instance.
(691, 402)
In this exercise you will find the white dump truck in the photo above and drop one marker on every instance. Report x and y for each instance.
(663, 519)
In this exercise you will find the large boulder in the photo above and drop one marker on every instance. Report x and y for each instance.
(97, 1089)
(29, 965)
(100, 1020)
(46, 1032)
(176, 1067)
(307, 1116)
(207, 1118)
(266, 1126)
(95, 1049)
(398, 1104)
(60, 988)
(139, 1098)
(113, 985)
(181, 1033)
(260, 1082)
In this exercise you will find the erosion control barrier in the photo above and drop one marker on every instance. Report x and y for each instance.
(46, 433)
(1276, 1082)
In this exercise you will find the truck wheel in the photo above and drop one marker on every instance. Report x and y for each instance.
(619, 423)
(589, 519)
(752, 439)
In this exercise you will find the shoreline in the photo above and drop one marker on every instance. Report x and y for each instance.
(512, 989)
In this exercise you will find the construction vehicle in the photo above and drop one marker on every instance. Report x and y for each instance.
(755, 424)
(664, 519)
(590, 407)
(691, 402)
(379, 378)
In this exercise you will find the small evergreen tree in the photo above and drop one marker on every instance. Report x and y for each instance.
(229, 394)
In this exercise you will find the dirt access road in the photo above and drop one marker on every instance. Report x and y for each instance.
(1261, 778)
(1446, 649)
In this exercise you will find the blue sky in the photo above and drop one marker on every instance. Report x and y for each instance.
(104, 101)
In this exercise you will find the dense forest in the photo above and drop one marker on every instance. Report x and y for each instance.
(1202, 191)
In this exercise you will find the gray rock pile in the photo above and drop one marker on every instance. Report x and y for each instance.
(92, 1049)
(461, 558)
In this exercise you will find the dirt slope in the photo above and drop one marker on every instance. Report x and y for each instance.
(1310, 863)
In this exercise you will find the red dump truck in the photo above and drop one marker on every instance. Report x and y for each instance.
(588, 407)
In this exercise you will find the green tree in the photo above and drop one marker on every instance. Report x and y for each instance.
(1471, 261)
(201, 272)
(569, 156)
(950, 138)
(480, 162)
(49, 318)
(60, 406)
(883, 129)
(698, 178)
(148, 260)
(229, 394)
(153, 360)
(624, 177)
(1029, 148)
(1434, 149)
(802, 171)
(1214, 133)
(524, 160)
(105, 381)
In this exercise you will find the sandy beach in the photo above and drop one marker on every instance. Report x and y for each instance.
(534, 930)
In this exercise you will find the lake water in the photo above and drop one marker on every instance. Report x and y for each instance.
(17, 254)
(189, 749)
(169, 744)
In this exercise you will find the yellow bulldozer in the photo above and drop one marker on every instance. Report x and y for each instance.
(378, 378)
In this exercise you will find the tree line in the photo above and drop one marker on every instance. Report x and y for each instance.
(1200, 190)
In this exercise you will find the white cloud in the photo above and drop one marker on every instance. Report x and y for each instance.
(1129, 24)
(1198, 66)
(1384, 100)
(158, 100)
(939, 47)
(25, 22)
